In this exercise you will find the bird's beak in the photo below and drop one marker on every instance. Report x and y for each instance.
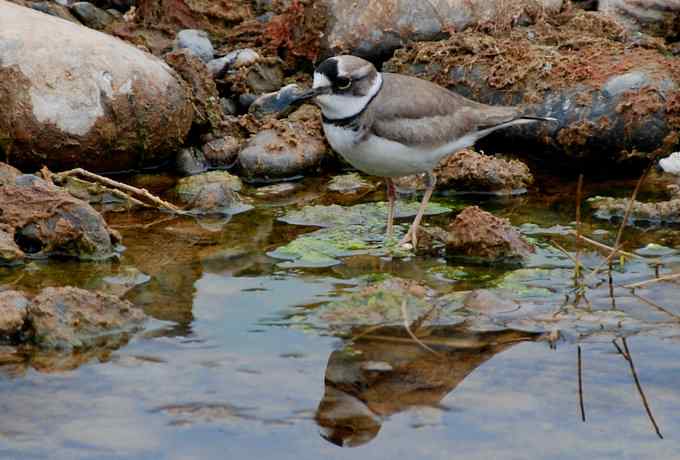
(311, 94)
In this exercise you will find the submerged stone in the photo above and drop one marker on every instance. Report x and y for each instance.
(366, 214)
(68, 317)
(661, 212)
(350, 184)
(212, 192)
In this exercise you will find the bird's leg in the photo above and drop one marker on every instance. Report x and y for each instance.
(391, 199)
(412, 234)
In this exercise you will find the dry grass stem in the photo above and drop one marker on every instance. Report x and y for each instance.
(659, 279)
(134, 193)
(407, 326)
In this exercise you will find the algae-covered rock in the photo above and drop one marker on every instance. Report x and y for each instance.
(68, 317)
(477, 235)
(654, 212)
(380, 303)
(9, 250)
(45, 220)
(346, 231)
(366, 214)
(212, 192)
(75, 97)
(12, 313)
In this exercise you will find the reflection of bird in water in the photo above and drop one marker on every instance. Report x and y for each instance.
(386, 372)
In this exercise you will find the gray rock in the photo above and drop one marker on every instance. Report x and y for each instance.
(91, 16)
(45, 220)
(289, 152)
(12, 313)
(190, 161)
(55, 9)
(197, 42)
(265, 76)
(631, 81)
(211, 192)
(67, 318)
(234, 60)
(119, 108)
(374, 29)
(229, 107)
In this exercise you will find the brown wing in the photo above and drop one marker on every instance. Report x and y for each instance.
(417, 112)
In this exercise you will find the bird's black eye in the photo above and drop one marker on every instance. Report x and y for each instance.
(343, 82)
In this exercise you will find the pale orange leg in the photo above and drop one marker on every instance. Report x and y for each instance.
(391, 199)
(412, 234)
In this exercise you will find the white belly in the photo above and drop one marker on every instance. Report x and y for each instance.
(381, 157)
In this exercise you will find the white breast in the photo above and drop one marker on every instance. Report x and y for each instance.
(378, 156)
(671, 164)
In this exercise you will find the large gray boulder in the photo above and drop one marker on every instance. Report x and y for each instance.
(375, 28)
(74, 96)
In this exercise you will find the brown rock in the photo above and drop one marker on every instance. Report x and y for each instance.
(103, 105)
(204, 95)
(12, 313)
(616, 102)
(68, 317)
(656, 17)
(9, 251)
(479, 235)
(8, 174)
(46, 220)
(215, 17)
(654, 212)
(222, 152)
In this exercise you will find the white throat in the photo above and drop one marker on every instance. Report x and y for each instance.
(337, 106)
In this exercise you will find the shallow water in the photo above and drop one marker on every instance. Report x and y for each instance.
(234, 364)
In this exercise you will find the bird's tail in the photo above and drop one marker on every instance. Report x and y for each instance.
(546, 119)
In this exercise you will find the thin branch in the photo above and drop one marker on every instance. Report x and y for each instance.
(141, 193)
(580, 385)
(639, 284)
(639, 387)
(578, 273)
(657, 306)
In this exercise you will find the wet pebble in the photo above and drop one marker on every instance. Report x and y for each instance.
(212, 192)
(350, 184)
(197, 42)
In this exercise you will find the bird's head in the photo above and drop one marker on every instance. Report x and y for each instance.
(343, 86)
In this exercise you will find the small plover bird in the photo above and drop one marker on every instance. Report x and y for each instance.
(393, 125)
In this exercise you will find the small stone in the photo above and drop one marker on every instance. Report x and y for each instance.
(222, 152)
(277, 190)
(234, 60)
(12, 313)
(91, 16)
(197, 42)
(279, 153)
(8, 174)
(265, 76)
(229, 107)
(351, 184)
(376, 366)
(55, 9)
(480, 236)
(190, 161)
(212, 192)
